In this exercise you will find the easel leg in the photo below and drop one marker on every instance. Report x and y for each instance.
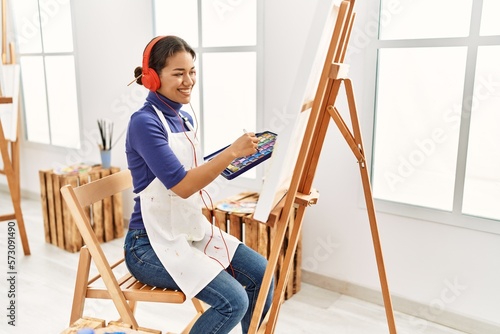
(13, 183)
(16, 201)
(287, 265)
(363, 169)
(378, 250)
(277, 243)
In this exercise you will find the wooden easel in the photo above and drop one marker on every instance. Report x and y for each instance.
(300, 192)
(11, 165)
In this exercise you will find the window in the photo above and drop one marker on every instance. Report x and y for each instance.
(224, 35)
(44, 38)
(436, 146)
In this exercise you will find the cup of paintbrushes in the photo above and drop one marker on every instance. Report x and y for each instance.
(105, 158)
(106, 132)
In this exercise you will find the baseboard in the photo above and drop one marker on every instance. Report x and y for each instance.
(403, 305)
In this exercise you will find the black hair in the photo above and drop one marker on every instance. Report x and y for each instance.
(161, 51)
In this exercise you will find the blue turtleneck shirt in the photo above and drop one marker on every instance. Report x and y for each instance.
(148, 154)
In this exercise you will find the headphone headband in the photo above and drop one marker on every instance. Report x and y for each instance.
(150, 78)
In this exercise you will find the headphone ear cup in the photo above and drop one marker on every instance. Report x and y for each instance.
(150, 79)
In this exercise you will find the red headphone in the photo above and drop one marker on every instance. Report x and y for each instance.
(150, 78)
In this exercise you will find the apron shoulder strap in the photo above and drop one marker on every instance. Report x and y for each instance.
(162, 119)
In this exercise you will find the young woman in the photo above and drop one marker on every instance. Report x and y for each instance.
(170, 243)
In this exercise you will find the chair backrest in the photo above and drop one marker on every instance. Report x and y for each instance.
(77, 199)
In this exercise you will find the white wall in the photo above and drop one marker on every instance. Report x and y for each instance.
(423, 259)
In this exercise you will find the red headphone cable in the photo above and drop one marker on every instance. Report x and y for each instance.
(181, 118)
(212, 235)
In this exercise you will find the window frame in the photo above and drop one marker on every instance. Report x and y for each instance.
(473, 41)
(43, 54)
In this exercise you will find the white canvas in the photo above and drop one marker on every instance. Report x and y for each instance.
(283, 160)
(282, 163)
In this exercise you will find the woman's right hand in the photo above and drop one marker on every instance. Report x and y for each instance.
(199, 177)
(245, 145)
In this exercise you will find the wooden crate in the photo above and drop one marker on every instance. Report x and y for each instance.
(106, 216)
(259, 237)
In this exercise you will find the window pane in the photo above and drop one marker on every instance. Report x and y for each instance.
(229, 23)
(490, 25)
(61, 89)
(229, 101)
(171, 17)
(34, 99)
(410, 19)
(27, 25)
(57, 32)
(482, 178)
(419, 97)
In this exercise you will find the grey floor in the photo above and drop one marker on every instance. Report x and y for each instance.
(45, 283)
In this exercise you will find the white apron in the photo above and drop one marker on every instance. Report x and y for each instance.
(178, 230)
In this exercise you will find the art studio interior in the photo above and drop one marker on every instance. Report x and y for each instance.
(369, 186)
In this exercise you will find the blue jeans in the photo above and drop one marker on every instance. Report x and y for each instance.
(232, 298)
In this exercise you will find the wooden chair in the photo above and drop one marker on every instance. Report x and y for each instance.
(124, 291)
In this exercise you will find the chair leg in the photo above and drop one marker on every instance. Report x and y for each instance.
(82, 277)
(198, 305)
(132, 304)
